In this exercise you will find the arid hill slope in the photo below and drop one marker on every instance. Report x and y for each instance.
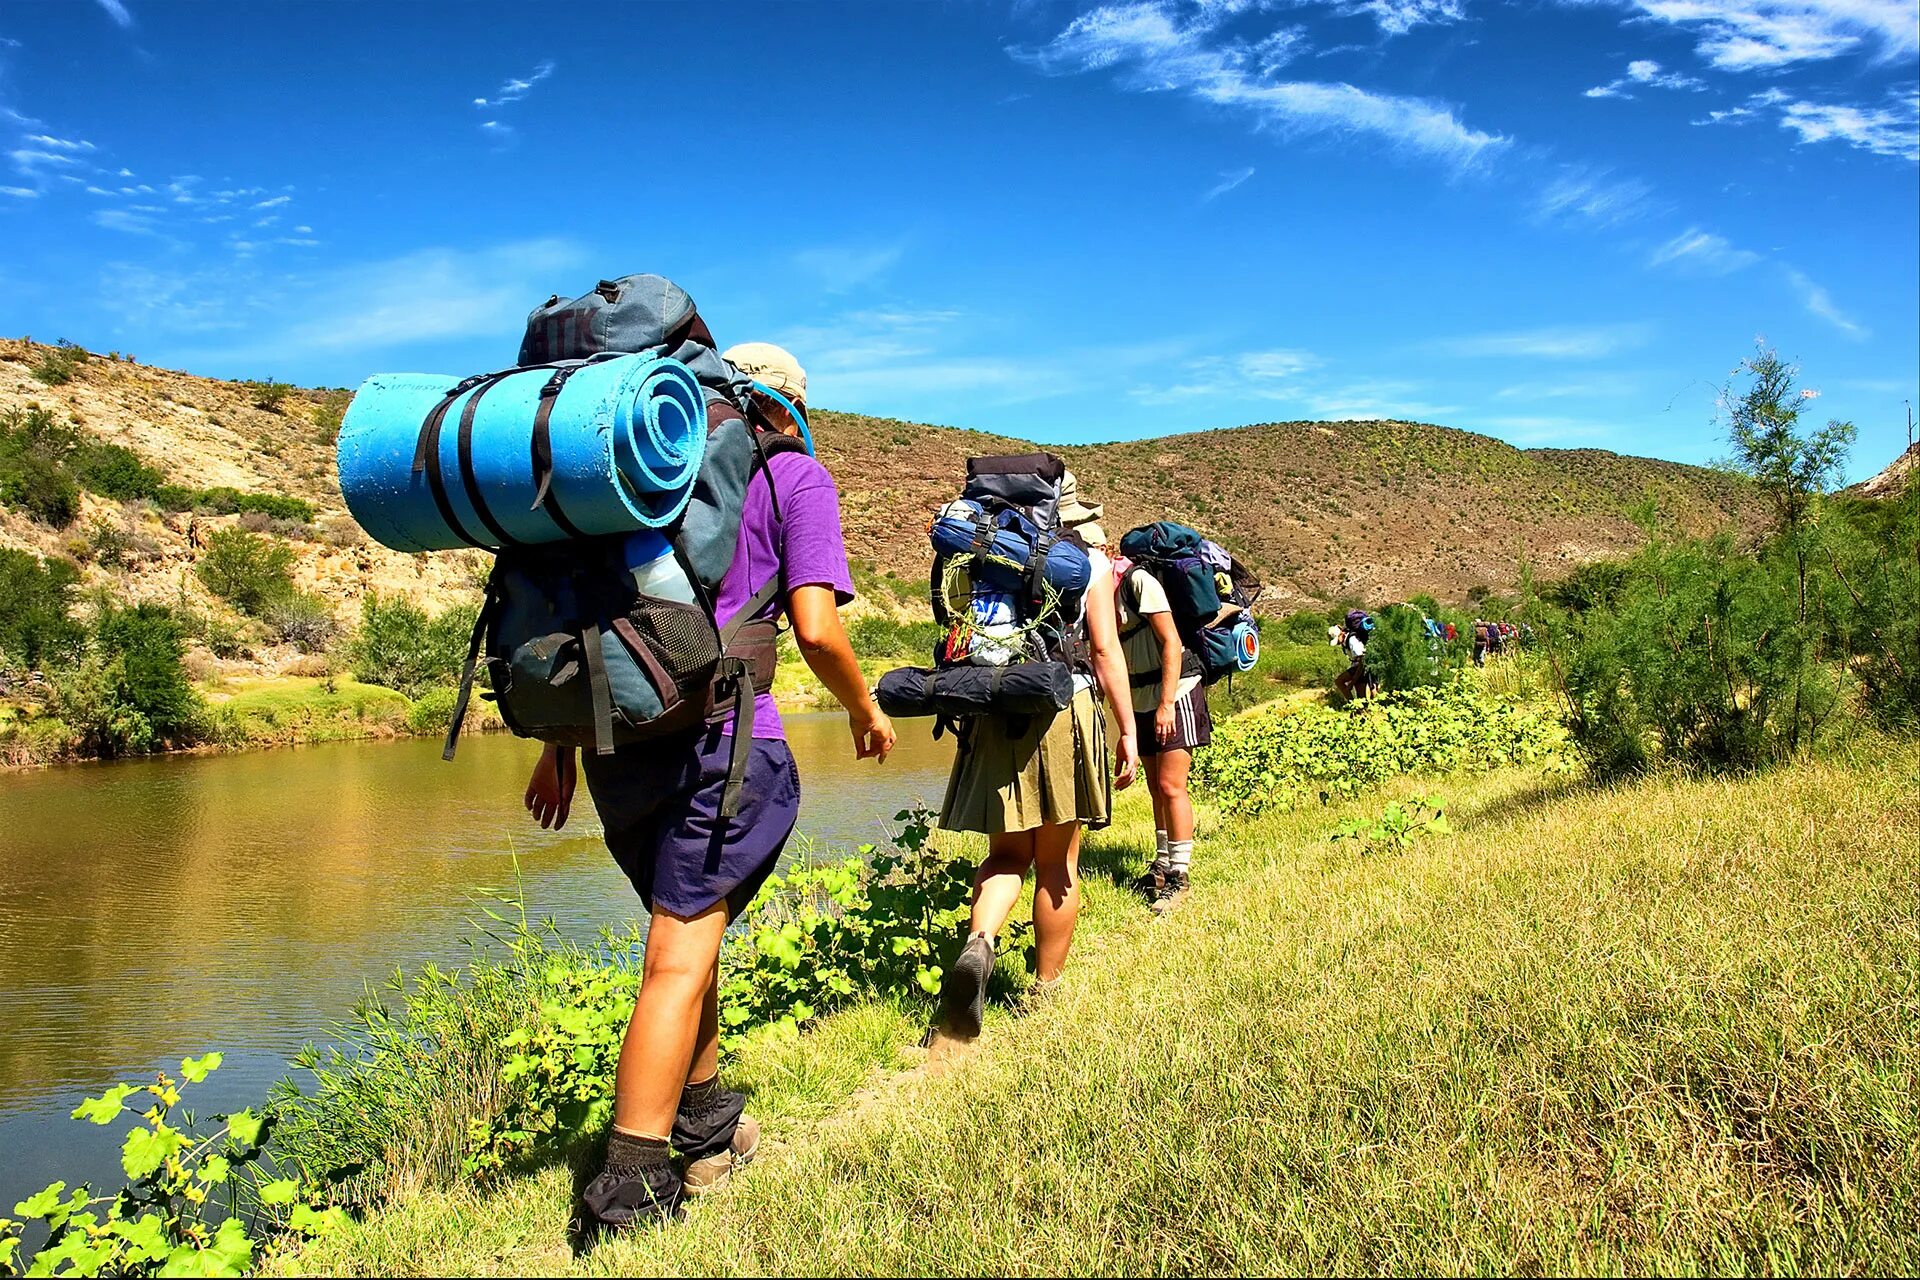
(1378, 510)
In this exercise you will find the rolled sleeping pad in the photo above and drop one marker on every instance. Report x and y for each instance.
(1023, 689)
(1067, 568)
(626, 436)
(1246, 644)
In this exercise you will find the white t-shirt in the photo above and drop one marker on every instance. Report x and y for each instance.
(1142, 647)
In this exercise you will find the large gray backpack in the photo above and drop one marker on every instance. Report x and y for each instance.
(576, 650)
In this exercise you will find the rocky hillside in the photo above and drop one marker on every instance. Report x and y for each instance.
(1894, 479)
(1377, 510)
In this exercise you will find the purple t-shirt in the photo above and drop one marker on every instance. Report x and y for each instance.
(806, 539)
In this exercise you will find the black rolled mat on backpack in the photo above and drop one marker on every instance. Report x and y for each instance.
(1024, 689)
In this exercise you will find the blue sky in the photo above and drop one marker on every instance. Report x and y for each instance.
(1560, 222)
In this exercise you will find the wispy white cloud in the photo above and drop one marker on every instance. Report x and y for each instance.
(1159, 46)
(1750, 35)
(20, 193)
(1395, 17)
(1228, 181)
(1646, 73)
(515, 89)
(840, 268)
(367, 306)
(1275, 374)
(1891, 129)
(50, 143)
(274, 202)
(1820, 303)
(1592, 196)
(118, 12)
(1558, 342)
(1697, 250)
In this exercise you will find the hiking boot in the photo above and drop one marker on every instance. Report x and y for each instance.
(1039, 994)
(638, 1185)
(963, 994)
(704, 1177)
(1148, 885)
(1171, 888)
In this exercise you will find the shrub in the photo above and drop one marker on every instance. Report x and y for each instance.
(60, 364)
(130, 694)
(332, 411)
(35, 596)
(223, 500)
(1272, 759)
(246, 570)
(301, 619)
(1400, 653)
(1701, 658)
(269, 395)
(878, 636)
(400, 647)
(34, 475)
(115, 471)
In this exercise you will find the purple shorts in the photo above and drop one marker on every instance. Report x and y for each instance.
(660, 805)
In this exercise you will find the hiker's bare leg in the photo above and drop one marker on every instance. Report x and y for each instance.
(1172, 804)
(706, 1046)
(1056, 896)
(664, 1031)
(996, 886)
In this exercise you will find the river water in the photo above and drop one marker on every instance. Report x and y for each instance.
(160, 908)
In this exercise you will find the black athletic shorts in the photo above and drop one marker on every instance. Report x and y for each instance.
(1192, 725)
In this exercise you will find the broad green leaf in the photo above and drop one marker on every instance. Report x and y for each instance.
(244, 1127)
(215, 1170)
(147, 1149)
(279, 1191)
(108, 1106)
(198, 1069)
(146, 1238)
(42, 1202)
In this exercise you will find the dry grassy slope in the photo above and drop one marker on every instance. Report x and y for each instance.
(203, 432)
(1375, 509)
(1380, 510)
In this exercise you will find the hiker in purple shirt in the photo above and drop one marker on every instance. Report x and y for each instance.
(696, 871)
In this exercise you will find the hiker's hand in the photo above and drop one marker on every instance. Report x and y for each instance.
(873, 735)
(550, 790)
(1163, 724)
(1127, 764)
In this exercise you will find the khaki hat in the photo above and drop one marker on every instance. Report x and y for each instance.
(1079, 516)
(770, 366)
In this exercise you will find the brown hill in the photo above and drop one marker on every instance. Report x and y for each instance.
(1322, 510)
(1378, 510)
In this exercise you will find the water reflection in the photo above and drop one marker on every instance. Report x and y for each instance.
(157, 908)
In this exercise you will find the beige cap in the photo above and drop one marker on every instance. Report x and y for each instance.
(770, 366)
(1078, 516)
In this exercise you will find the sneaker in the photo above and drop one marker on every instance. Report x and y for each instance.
(1171, 888)
(1148, 885)
(963, 994)
(704, 1177)
(629, 1196)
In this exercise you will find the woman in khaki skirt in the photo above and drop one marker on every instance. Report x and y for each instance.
(1030, 785)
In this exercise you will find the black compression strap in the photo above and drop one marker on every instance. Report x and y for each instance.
(544, 499)
(600, 689)
(426, 458)
(465, 455)
(466, 672)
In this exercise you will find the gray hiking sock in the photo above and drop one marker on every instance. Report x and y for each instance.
(1160, 847)
(634, 1155)
(1179, 855)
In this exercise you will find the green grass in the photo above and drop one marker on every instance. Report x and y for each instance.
(1664, 1026)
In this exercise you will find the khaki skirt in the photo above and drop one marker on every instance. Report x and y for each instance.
(1050, 771)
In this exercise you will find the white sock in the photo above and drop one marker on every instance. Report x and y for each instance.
(1179, 855)
(1160, 848)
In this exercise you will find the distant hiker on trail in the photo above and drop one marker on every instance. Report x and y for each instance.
(1171, 722)
(663, 801)
(1482, 642)
(1031, 783)
(1353, 682)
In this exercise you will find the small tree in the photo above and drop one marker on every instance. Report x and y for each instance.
(247, 570)
(35, 595)
(1792, 468)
